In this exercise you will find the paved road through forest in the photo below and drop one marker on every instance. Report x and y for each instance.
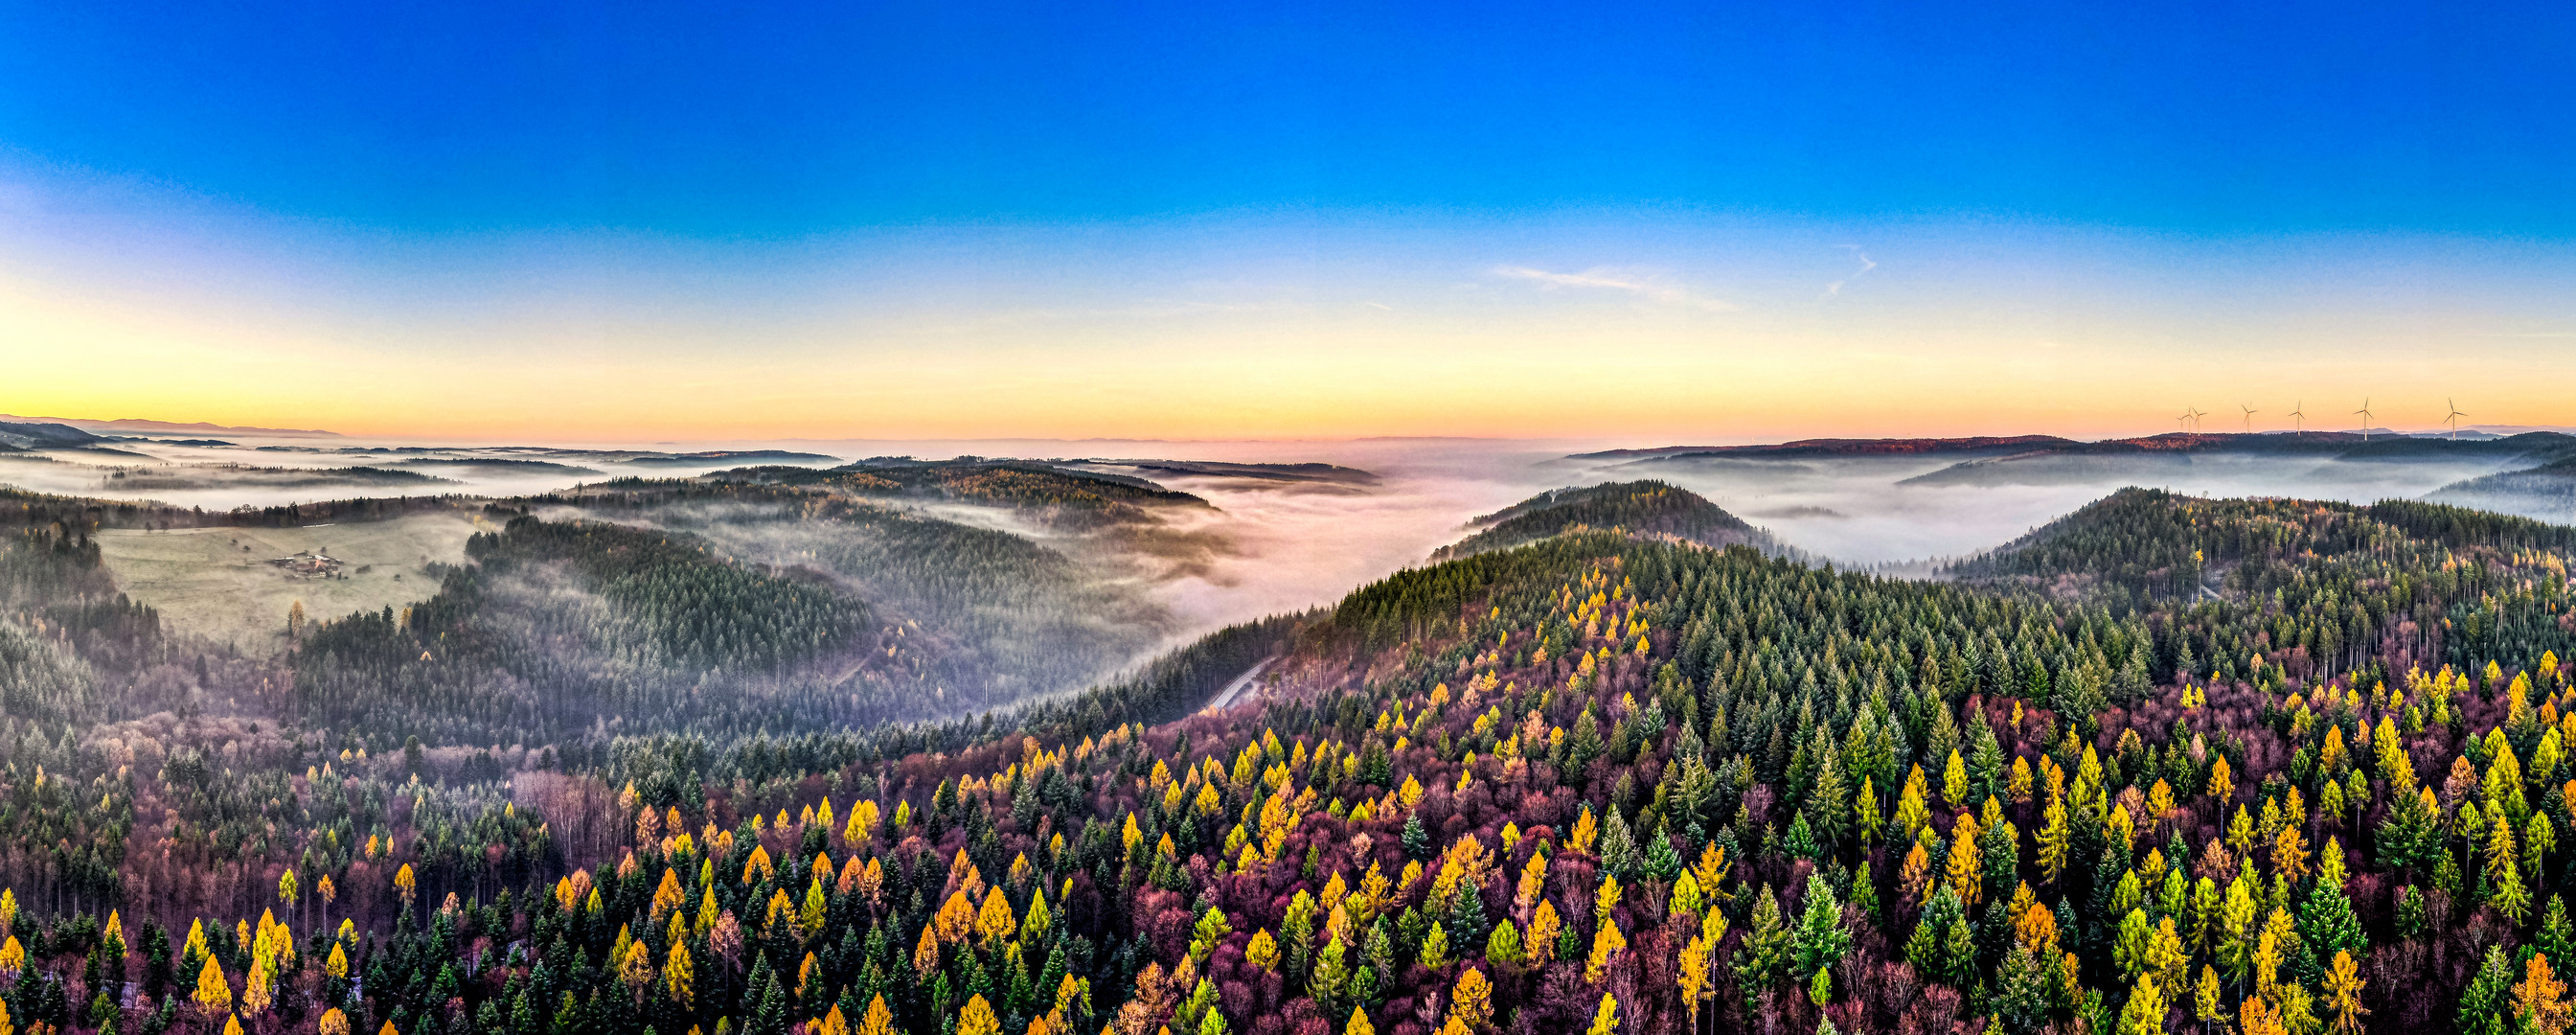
(1242, 682)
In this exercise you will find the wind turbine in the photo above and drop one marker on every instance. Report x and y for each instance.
(2454, 418)
(2249, 417)
(2196, 414)
(2181, 421)
(2300, 428)
(2364, 411)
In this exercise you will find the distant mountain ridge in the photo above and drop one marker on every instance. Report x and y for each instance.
(138, 425)
(18, 435)
(1305, 472)
(1840, 447)
(2015, 445)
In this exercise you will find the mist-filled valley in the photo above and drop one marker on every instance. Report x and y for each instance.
(1294, 738)
(541, 594)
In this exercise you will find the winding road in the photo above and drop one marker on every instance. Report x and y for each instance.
(1241, 683)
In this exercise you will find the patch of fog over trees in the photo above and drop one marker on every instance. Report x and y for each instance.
(721, 609)
(737, 613)
(1868, 503)
(989, 617)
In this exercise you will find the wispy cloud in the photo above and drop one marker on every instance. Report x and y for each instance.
(1144, 311)
(1866, 265)
(1640, 283)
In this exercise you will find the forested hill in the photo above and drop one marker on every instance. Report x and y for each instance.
(1644, 508)
(2141, 544)
(26, 435)
(2546, 492)
(986, 617)
(31, 511)
(563, 627)
(1603, 782)
(1049, 494)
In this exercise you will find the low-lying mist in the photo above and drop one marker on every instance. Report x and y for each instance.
(1893, 510)
(1292, 547)
(259, 473)
(1270, 544)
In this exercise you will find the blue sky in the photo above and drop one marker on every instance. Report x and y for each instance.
(768, 120)
(1292, 214)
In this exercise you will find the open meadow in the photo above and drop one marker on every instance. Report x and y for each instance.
(216, 582)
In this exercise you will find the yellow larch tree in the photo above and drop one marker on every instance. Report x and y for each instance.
(256, 990)
(2343, 993)
(679, 975)
(995, 922)
(1605, 942)
(2540, 1001)
(1605, 1020)
(977, 1018)
(1533, 881)
(1965, 871)
(925, 956)
(1541, 938)
(1471, 1000)
(877, 1020)
(213, 992)
(668, 896)
(2290, 853)
(1691, 973)
(1954, 781)
(956, 918)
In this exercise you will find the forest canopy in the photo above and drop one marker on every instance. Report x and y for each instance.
(2170, 763)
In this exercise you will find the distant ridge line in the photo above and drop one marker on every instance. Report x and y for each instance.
(2171, 441)
(1845, 445)
(140, 424)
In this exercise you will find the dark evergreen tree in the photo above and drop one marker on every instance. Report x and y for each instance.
(1417, 841)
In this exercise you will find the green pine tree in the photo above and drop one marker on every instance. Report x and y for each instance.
(1663, 862)
(1864, 895)
(1932, 932)
(2556, 939)
(1800, 842)
(1828, 806)
(1766, 956)
(1820, 938)
(2486, 1007)
(1417, 841)
(1466, 920)
(770, 1017)
(2326, 924)
(1619, 848)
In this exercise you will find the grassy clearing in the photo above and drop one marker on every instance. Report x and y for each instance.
(206, 583)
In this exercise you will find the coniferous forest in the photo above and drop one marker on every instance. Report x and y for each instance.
(2167, 764)
(1646, 508)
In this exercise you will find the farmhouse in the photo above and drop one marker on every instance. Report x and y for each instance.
(308, 564)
